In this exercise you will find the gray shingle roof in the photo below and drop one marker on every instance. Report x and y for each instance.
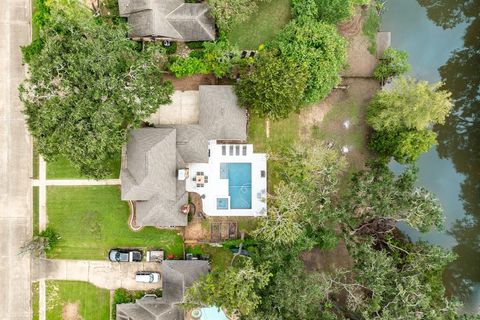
(177, 275)
(153, 155)
(149, 166)
(149, 308)
(168, 18)
(220, 116)
(148, 177)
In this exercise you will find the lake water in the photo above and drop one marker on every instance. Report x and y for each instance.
(442, 38)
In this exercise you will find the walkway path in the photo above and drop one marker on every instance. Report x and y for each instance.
(15, 164)
(103, 274)
(79, 182)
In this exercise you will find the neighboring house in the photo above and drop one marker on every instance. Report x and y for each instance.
(177, 276)
(161, 165)
(168, 19)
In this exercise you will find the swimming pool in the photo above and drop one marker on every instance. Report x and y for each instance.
(239, 177)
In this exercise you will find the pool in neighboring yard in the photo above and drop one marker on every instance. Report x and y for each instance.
(239, 177)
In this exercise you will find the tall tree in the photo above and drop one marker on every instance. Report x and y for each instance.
(319, 48)
(232, 289)
(273, 87)
(377, 194)
(402, 117)
(88, 85)
(410, 104)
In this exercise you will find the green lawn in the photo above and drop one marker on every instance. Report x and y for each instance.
(91, 220)
(81, 300)
(35, 300)
(35, 161)
(262, 26)
(220, 257)
(35, 207)
(35, 29)
(283, 133)
(63, 169)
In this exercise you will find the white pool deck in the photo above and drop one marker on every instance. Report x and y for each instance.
(218, 188)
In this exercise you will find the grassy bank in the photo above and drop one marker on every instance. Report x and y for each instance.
(91, 220)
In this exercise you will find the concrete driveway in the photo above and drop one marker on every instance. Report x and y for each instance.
(15, 164)
(184, 109)
(103, 274)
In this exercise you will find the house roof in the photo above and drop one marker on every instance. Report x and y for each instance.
(168, 18)
(149, 308)
(177, 275)
(220, 116)
(148, 176)
(153, 155)
(149, 166)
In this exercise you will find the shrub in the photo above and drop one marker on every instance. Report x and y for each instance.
(172, 48)
(393, 63)
(42, 13)
(184, 67)
(195, 45)
(33, 49)
(52, 238)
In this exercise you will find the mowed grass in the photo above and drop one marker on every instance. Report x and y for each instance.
(262, 26)
(36, 208)
(61, 168)
(92, 220)
(220, 257)
(76, 300)
(35, 300)
(283, 134)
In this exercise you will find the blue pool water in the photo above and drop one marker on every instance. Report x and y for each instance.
(239, 177)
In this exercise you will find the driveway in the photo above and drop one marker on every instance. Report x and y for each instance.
(184, 109)
(15, 164)
(103, 274)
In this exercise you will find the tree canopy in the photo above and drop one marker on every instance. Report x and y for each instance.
(227, 13)
(273, 87)
(410, 104)
(330, 11)
(319, 48)
(232, 289)
(392, 64)
(88, 85)
(403, 116)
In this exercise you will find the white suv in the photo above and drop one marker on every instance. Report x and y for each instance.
(147, 277)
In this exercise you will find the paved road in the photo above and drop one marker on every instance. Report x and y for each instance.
(15, 164)
(103, 274)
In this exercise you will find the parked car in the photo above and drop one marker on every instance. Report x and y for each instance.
(125, 255)
(147, 277)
